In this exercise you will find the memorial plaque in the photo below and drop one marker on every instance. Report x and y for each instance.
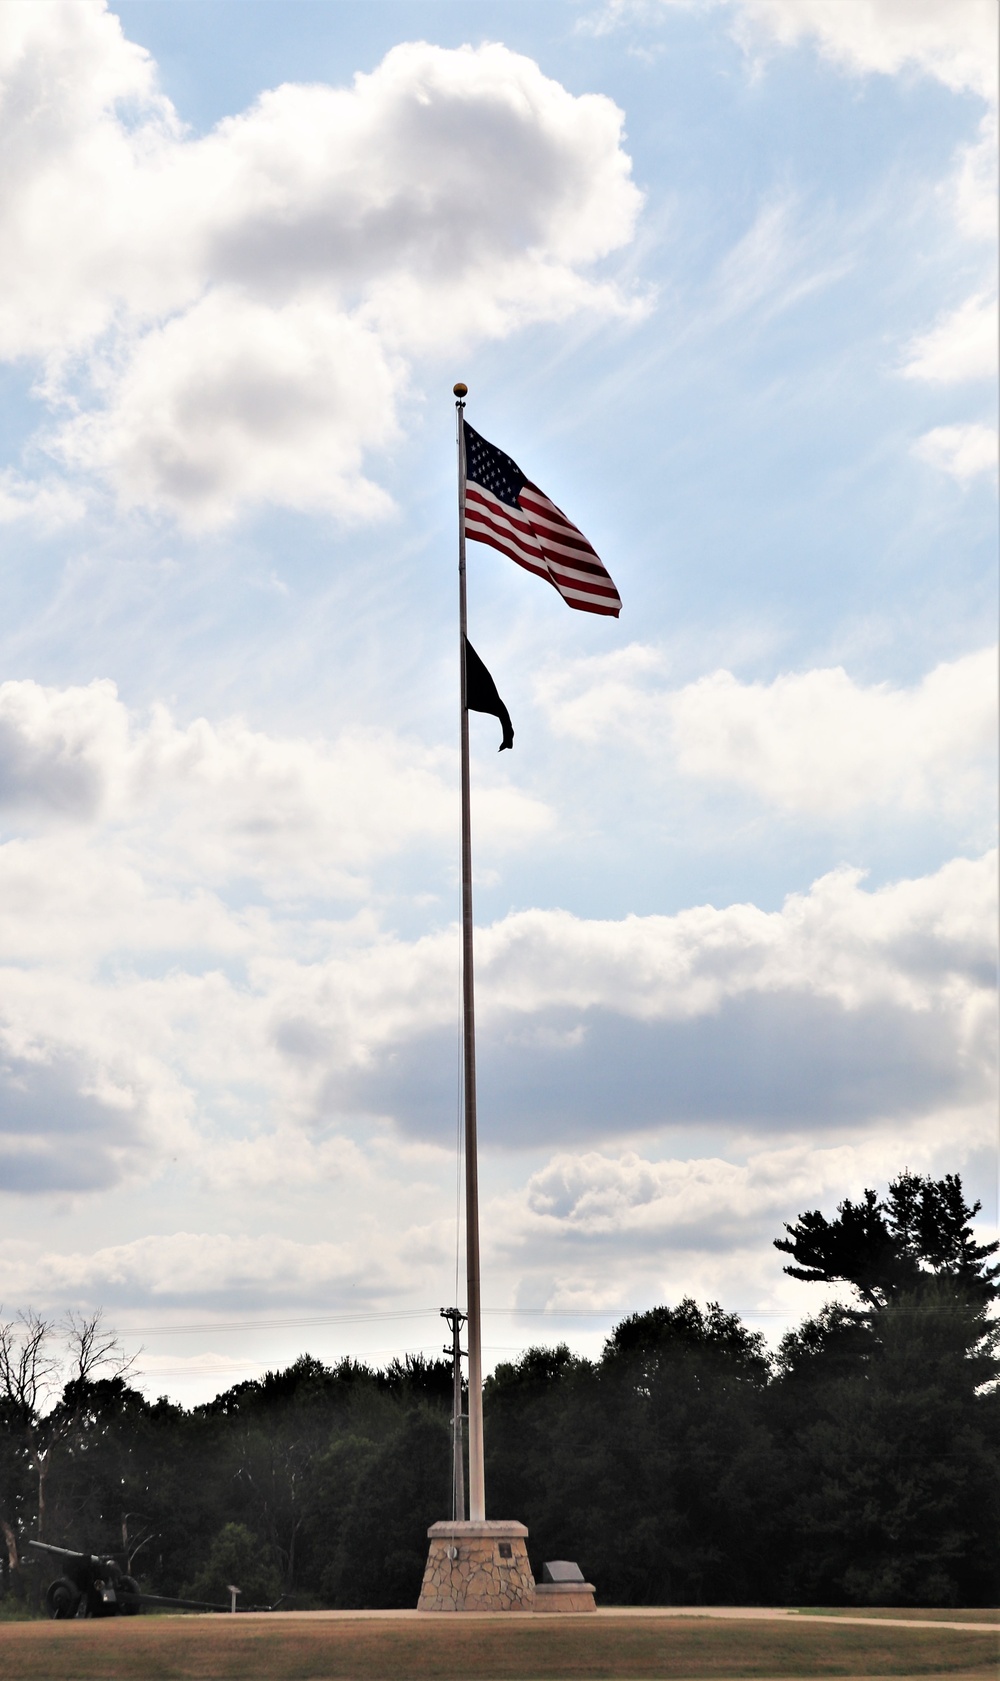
(561, 1570)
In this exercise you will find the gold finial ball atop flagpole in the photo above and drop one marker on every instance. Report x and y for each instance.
(460, 390)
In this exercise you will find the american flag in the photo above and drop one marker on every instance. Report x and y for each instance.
(506, 510)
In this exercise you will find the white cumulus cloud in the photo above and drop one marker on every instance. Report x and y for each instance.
(235, 402)
(232, 318)
(130, 849)
(597, 1229)
(214, 801)
(149, 1007)
(591, 1197)
(81, 122)
(179, 1266)
(909, 942)
(846, 1007)
(812, 741)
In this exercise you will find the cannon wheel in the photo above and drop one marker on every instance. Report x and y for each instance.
(62, 1599)
(130, 1606)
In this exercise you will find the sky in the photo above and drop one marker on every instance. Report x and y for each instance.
(720, 276)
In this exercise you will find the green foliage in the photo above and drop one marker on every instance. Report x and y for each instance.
(16, 1610)
(382, 1550)
(644, 1466)
(919, 1234)
(236, 1556)
(890, 1424)
(889, 1416)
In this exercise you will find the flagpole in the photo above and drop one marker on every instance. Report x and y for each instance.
(477, 1483)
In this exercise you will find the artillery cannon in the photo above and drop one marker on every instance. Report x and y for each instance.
(89, 1586)
(94, 1586)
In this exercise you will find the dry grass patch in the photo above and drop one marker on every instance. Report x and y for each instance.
(543, 1649)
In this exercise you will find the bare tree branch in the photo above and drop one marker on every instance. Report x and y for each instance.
(27, 1369)
(91, 1347)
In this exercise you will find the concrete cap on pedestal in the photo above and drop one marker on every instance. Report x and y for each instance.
(497, 1529)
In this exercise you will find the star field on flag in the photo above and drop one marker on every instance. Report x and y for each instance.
(504, 509)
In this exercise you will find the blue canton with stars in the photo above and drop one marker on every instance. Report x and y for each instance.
(490, 468)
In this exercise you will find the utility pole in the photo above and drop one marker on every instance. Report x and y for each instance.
(456, 1319)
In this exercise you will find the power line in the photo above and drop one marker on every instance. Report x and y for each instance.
(267, 1324)
(318, 1320)
(153, 1375)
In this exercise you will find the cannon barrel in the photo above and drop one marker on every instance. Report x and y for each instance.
(66, 1552)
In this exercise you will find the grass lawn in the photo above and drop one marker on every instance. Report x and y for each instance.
(535, 1649)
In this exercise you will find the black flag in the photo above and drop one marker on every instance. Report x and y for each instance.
(481, 694)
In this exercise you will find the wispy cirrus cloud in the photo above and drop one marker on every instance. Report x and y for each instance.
(961, 346)
(953, 41)
(965, 452)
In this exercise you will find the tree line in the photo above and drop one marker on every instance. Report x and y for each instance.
(857, 1464)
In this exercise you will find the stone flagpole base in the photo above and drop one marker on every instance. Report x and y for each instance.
(477, 1567)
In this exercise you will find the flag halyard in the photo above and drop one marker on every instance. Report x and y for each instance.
(507, 511)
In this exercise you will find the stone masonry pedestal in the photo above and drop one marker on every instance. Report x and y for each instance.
(477, 1567)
